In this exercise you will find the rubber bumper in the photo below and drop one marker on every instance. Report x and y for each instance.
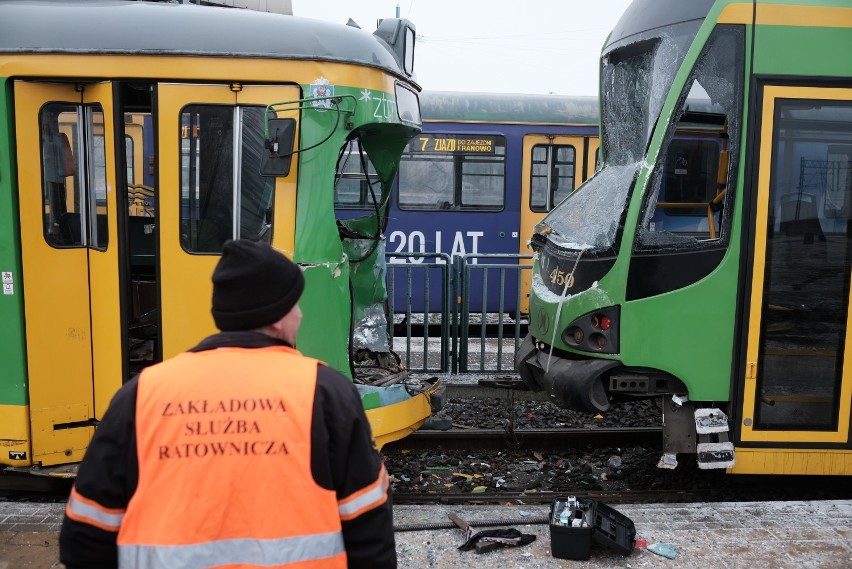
(571, 384)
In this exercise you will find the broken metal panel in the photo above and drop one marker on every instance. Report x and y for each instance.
(367, 282)
(393, 422)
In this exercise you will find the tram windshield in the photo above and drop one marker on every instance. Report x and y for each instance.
(636, 75)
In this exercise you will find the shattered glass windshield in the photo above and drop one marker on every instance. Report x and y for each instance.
(688, 203)
(636, 75)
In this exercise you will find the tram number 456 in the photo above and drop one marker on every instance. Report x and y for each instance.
(463, 242)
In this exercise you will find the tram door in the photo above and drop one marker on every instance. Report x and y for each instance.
(67, 201)
(211, 138)
(798, 382)
(553, 167)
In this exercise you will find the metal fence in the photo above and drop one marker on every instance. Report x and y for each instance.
(424, 276)
(459, 314)
(496, 286)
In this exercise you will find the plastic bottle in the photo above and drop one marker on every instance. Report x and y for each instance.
(565, 517)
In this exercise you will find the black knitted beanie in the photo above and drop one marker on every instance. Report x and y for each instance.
(253, 285)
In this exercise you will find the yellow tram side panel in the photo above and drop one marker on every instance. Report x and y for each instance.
(792, 461)
(197, 68)
(15, 427)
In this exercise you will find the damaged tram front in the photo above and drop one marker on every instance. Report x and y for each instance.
(127, 160)
(707, 263)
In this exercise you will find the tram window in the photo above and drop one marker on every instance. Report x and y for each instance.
(74, 189)
(453, 172)
(349, 194)
(838, 178)
(209, 165)
(99, 163)
(690, 173)
(351, 187)
(551, 175)
(426, 183)
(98, 182)
(482, 184)
(128, 153)
(805, 302)
(255, 191)
(692, 188)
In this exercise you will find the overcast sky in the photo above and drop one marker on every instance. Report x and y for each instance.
(527, 46)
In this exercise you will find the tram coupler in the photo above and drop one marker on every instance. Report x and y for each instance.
(570, 384)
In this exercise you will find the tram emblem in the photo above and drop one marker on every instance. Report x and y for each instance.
(321, 88)
(17, 455)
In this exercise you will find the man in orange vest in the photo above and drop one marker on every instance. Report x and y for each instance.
(240, 452)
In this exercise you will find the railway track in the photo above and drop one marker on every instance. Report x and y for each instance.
(761, 489)
(550, 440)
(534, 466)
(609, 497)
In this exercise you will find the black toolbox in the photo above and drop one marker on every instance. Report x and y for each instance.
(576, 522)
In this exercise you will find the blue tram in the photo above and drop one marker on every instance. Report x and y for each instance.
(484, 171)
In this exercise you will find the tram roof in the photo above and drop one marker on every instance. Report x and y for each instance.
(168, 28)
(457, 106)
(644, 15)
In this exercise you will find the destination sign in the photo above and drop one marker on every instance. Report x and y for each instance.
(452, 143)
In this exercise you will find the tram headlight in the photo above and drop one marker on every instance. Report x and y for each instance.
(574, 335)
(598, 341)
(597, 331)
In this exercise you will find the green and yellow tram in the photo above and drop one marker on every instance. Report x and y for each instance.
(708, 261)
(133, 137)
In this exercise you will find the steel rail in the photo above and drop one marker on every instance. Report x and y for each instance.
(537, 439)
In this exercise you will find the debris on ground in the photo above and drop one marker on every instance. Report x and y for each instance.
(664, 549)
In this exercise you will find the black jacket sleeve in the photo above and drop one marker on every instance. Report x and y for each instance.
(344, 458)
(108, 475)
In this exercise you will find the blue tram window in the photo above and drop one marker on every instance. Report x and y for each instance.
(453, 172)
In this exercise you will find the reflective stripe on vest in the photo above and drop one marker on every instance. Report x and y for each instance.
(233, 552)
(365, 499)
(225, 479)
(90, 512)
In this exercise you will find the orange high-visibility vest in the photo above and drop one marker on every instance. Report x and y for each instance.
(224, 445)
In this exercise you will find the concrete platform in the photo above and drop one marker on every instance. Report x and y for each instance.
(727, 535)
(776, 535)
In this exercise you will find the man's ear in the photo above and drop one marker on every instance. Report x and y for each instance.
(277, 327)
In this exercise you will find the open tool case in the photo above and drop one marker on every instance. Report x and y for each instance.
(576, 522)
